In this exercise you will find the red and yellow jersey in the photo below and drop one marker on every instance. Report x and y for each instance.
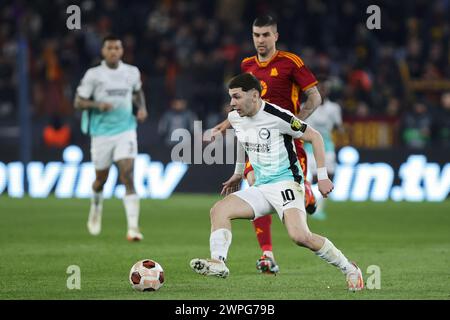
(283, 78)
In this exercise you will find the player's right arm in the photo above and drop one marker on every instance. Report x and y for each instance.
(313, 100)
(233, 184)
(84, 91)
(81, 103)
(307, 82)
(217, 131)
(221, 127)
(224, 125)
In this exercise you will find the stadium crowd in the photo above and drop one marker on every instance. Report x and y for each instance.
(187, 50)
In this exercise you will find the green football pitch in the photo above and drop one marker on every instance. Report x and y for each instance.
(41, 238)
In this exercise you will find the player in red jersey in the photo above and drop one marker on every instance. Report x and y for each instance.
(283, 77)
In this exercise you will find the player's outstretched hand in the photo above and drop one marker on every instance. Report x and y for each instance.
(141, 115)
(231, 185)
(325, 187)
(105, 106)
(211, 134)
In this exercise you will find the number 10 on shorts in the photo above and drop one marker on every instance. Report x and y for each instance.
(288, 195)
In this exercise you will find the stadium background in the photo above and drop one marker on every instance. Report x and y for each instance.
(393, 85)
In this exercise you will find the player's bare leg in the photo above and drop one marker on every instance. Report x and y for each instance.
(221, 214)
(94, 223)
(131, 199)
(298, 230)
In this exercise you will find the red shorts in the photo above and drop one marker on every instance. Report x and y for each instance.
(301, 155)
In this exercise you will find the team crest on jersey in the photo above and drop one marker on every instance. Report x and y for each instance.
(297, 125)
(264, 133)
(274, 72)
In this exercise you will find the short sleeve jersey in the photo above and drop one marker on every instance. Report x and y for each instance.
(115, 86)
(267, 138)
(282, 78)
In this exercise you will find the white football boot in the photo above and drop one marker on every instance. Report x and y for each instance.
(355, 279)
(94, 223)
(210, 267)
(134, 235)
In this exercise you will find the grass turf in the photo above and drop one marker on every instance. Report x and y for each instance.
(40, 238)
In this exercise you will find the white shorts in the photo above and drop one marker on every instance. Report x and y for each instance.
(279, 196)
(108, 149)
(330, 163)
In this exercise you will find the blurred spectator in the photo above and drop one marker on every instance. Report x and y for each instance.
(416, 126)
(214, 118)
(194, 47)
(178, 117)
(362, 111)
(393, 108)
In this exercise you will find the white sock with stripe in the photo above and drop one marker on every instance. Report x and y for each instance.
(334, 256)
(219, 242)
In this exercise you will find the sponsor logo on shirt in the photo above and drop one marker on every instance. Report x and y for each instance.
(117, 92)
(257, 147)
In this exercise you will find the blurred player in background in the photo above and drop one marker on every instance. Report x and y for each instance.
(266, 132)
(106, 95)
(328, 116)
(283, 77)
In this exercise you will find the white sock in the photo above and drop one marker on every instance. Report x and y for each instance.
(97, 199)
(334, 256)
(131, 204)
(219, 242)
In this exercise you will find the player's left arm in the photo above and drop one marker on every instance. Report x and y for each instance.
(291, 125)
(138, 95)
(313, 100)
(139, 101)
(315, 138)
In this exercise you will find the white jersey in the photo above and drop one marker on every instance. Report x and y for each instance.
(267, 138)
(324, 119)
(115, 86)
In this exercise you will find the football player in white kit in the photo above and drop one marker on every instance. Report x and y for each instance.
(266, 132)
(328, 116)
(106, 94)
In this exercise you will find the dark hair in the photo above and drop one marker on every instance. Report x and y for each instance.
(246, 81)
(110, 37)
(265, 21)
